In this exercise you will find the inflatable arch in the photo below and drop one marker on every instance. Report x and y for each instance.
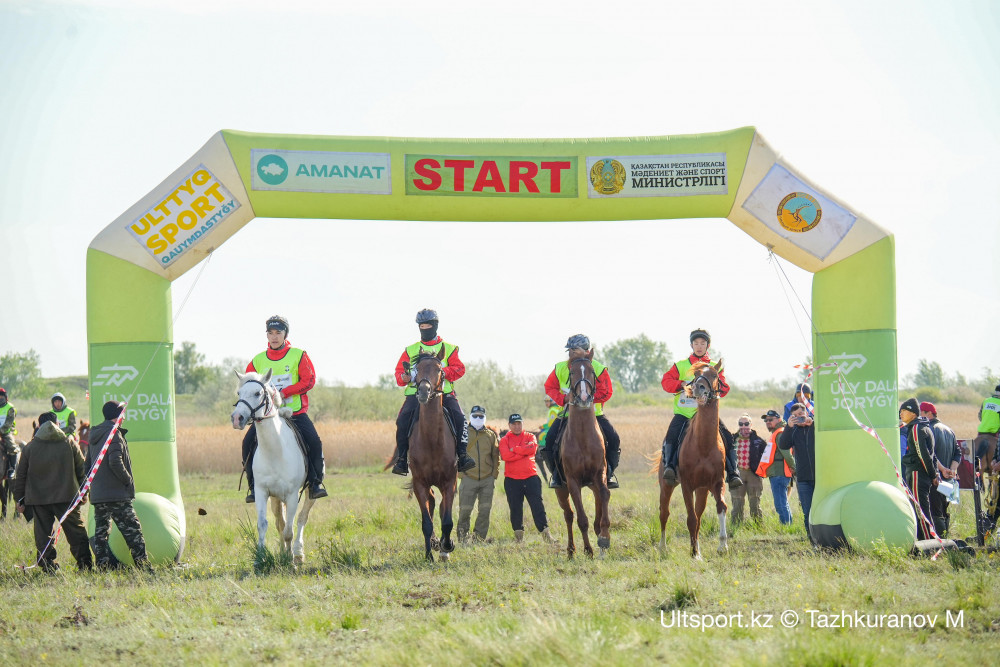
(736, 175)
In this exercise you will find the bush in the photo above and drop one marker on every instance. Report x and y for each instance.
(931, 394)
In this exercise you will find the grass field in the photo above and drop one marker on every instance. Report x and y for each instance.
(365, 594)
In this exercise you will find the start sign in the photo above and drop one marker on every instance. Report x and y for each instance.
(506, 176)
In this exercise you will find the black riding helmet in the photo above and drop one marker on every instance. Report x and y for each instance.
(578, 341)
(427, 316)
(278, 323)
(700, 333)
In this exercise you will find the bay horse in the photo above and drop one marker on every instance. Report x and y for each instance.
(279, 464)
(582, 455)
(701, 464)
(432, 454)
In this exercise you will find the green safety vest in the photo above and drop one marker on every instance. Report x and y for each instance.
(63, 417)
(418, 348)
(284, 373)
(991, 416)
(562, 374)
(4, 411)
(682, 404)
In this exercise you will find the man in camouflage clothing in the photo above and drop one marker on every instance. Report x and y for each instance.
(112, 492)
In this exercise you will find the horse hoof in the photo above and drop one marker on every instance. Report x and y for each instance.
(445, 556)
(435, 543)
(447, 546)
(723, 548)
(603, 542)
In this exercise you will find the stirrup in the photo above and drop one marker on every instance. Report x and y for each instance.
(612, 481)
(735, 481)
(469, 464)
(317, 491)
(401, 468)
(251, 498)
(555, 482)
(670, 476)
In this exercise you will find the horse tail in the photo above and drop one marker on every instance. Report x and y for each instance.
(389, 462)
(654, 462)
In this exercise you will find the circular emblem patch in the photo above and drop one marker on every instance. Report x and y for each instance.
(799, 212)
(607, 176)
(272, 169)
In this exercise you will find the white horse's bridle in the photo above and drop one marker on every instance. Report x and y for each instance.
(266, 404)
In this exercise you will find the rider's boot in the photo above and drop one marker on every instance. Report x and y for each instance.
(670, 455)
(250, 496)
(612, 459)
(402, 447)
(555, 481)
(465, 462)
(732, 474)
(316, 468)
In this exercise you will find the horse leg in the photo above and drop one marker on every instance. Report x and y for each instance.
(426, 502)
(291, 505)
(602, 519)
(692, 520)
(562, 495)
(720, 508)
(581, 515)
(700, 499)
(278, 510)
(665, 492)
(298, 545)
(447, 500)
(435, 542)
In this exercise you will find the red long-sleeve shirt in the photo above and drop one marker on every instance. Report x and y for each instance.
(518, 454)
(672, 383)
(602, 390)
(307, 374)
(453, 369)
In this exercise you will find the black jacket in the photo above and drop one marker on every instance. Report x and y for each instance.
(802, 439)
(757, 447)
(113, 481)
(920, 455)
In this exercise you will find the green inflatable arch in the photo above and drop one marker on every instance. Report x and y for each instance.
(736, 175)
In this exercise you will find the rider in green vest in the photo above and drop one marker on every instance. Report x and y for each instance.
(673, 382)
(65, 415)
(553, 414)
(430, 343)
(557, 388)
(989, 429)
(293, 375)
(8, 429)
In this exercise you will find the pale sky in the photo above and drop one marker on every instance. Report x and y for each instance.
(892, 107)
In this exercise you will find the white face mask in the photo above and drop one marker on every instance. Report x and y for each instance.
(477, 422)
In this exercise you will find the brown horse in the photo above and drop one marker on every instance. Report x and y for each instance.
(582, 454)
(432, 454)
(701, 463)
(6, 483)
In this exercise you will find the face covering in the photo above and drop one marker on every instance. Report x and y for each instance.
(477, 422)
(744, 431)
(429, 334)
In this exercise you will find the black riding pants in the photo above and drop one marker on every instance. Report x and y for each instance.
(673, 433)
(612, 441)
(408, 413)
(309, 437)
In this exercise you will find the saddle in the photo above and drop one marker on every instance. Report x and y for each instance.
(416, 417)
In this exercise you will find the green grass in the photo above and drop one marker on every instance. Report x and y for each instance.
(366, 595)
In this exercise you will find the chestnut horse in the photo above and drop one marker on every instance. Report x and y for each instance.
(432, 454)
(582, 455)
(701, 464)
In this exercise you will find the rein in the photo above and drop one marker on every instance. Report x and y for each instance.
(266, 404)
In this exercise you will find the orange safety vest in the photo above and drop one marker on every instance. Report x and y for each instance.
(767, 458)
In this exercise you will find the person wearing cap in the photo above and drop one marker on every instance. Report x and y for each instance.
(293, 375)
(8, 429)
(985, 445)
(65, 415)
(749, 449)
(113, 490)
(557, 388)
(797, 443)
(948, 456)
(406, 372)
(478, 483)
(803, 395)
(774, 466)
(49, 475)
(520, 478)
(685, 407)
(919, 464)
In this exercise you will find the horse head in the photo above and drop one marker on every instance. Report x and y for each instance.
(705, 386)
(430, 375)
(582, 380)
(256, 399)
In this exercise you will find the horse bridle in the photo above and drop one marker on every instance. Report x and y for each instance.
(575, 388)
(265, 404)
(436, 389)
(713, 393)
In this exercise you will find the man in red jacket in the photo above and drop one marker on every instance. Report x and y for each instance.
(521, 481)
(674, 381)
(293, 375)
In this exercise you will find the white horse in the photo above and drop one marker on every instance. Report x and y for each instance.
(279, 466)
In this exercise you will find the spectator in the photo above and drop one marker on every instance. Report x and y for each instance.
(989, 424)
(478, 483)
(773, 466)
(112, 492)
(798, 445)
(918, 464)
(803, 395)
(49, 476)
(948, 457)
(517, 449)
(553, 413)
(65, 415)
(8, 429)
(749, 448)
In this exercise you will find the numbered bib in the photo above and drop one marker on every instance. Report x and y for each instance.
(281, 381)
(688, 402)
